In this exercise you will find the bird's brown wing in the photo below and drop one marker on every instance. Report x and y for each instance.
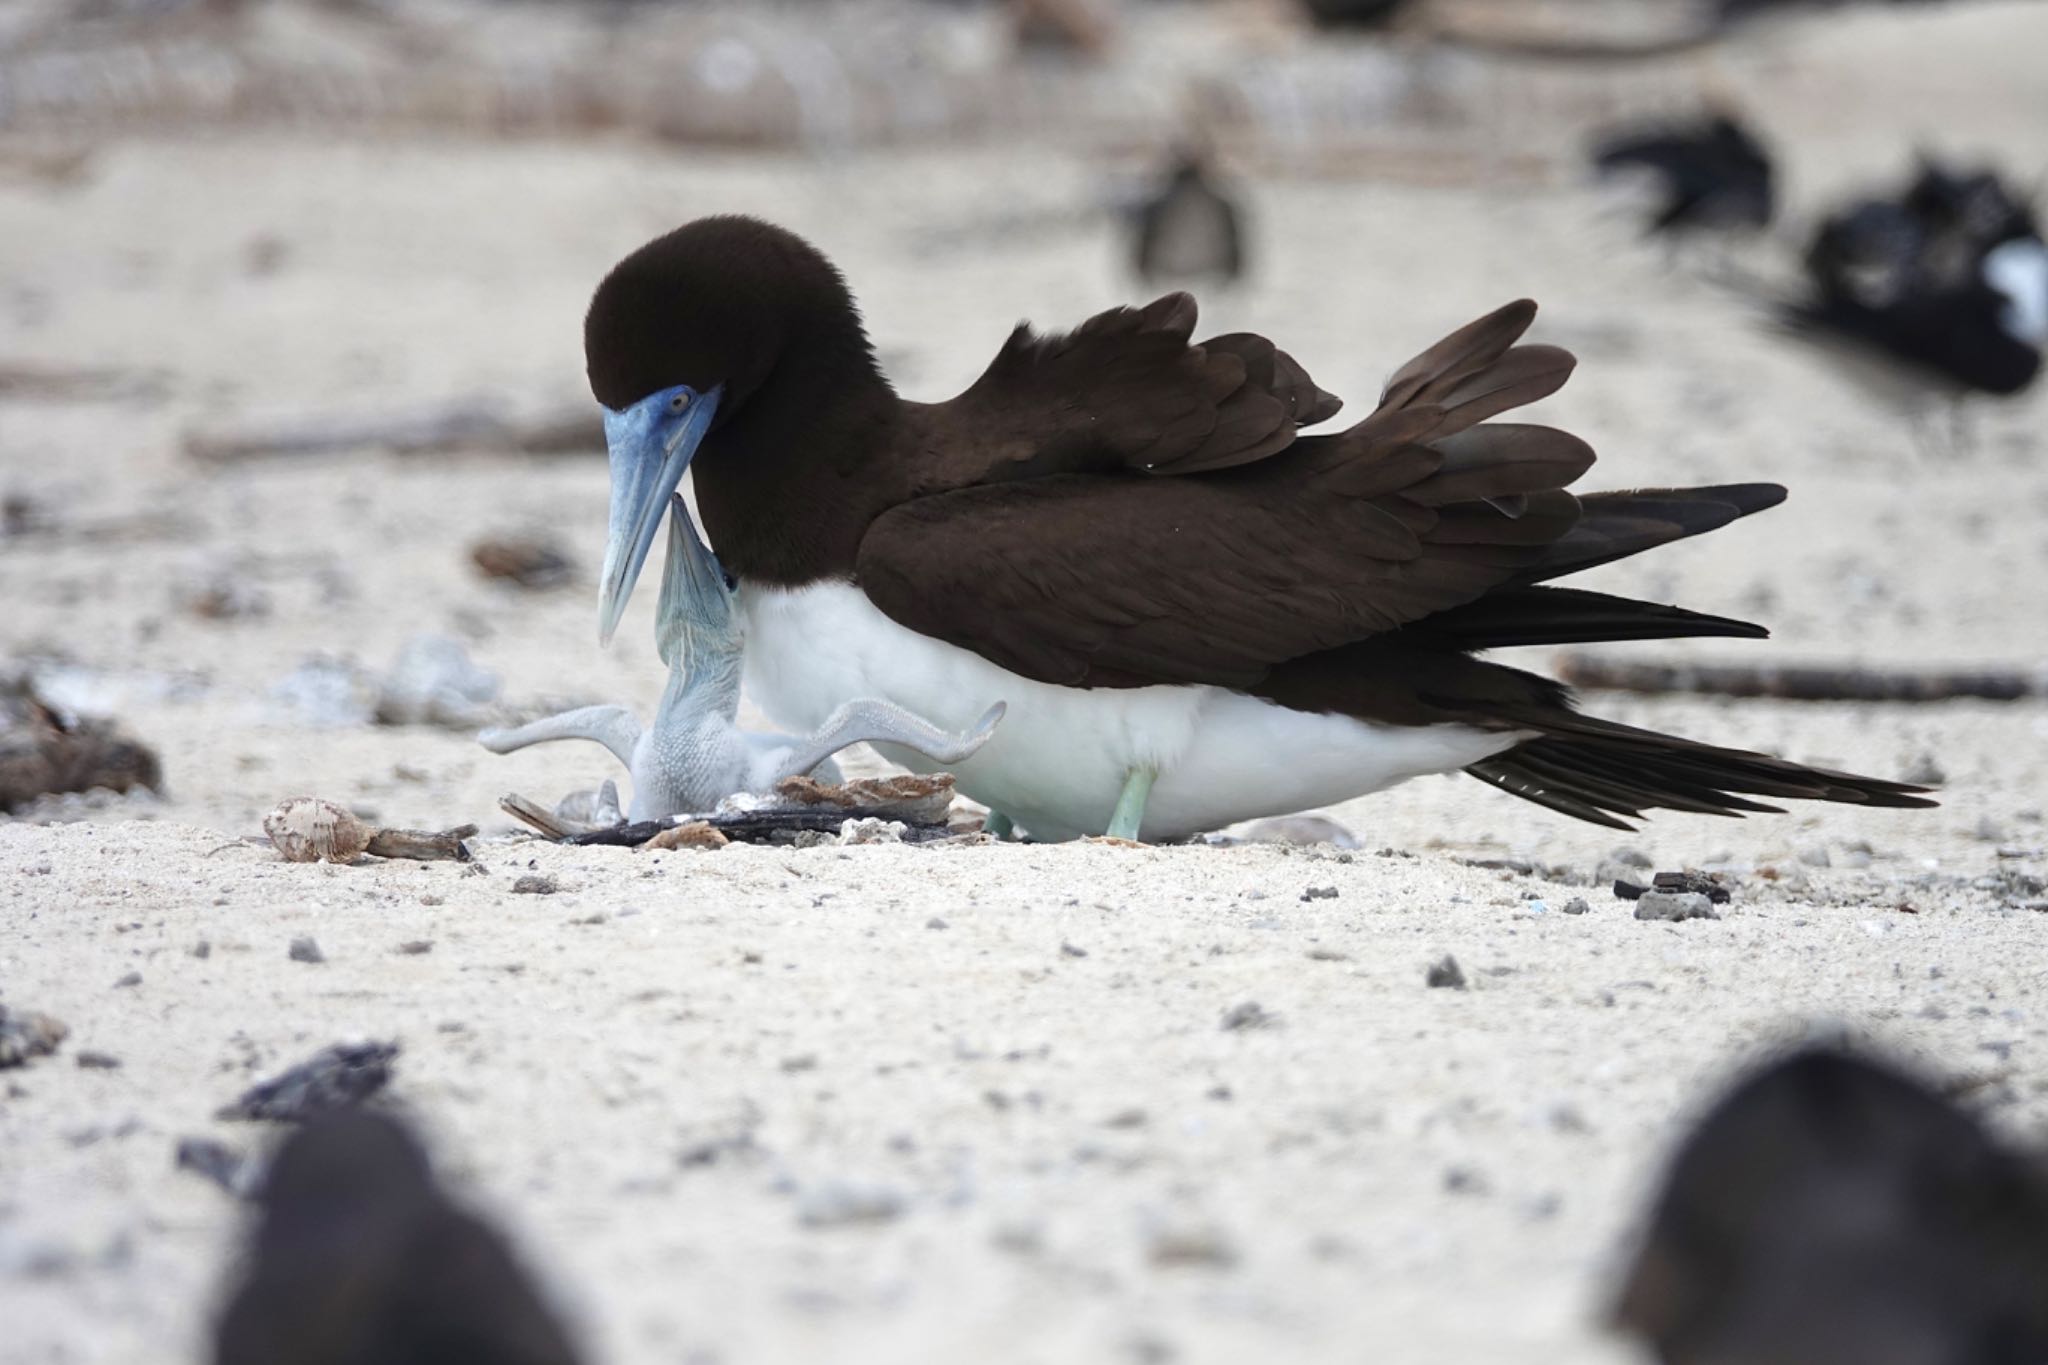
(1122, 578)
(1126, 390)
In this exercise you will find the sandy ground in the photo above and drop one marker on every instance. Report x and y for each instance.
(1015, 1052)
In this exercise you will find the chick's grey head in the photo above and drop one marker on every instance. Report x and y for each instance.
(695, 627)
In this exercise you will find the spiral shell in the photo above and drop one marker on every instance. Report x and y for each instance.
(306, 829)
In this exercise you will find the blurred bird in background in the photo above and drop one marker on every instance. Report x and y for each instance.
(1945, 282)
(1712, 174)
(1189, 230)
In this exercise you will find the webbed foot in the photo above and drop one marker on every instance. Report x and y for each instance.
(1129, 815)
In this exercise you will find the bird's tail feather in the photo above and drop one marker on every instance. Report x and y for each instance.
(1608, 773)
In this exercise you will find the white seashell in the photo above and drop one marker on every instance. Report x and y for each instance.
(306, 829)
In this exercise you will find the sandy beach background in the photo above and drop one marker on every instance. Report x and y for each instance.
(899, 1104)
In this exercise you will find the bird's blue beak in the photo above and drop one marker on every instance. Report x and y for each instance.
(650, 445)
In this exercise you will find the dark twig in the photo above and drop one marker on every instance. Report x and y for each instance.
(462, 425)
(1794, 683)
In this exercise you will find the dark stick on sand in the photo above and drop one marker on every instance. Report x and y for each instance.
(468, 424)
(1796, 683)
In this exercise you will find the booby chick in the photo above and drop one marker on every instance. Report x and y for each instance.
(1188, 230)
(1714, 174)
(1196, 614)
(1947, 284)
(695, 754)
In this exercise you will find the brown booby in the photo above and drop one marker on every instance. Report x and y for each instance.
(1194, 613)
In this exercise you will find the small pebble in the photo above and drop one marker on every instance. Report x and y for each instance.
(1814, 855)
(304, 949)
(838, 1204)
(1248, 1015)
(1069, 950)
(415, 947)
(1191, 1247)
(1320, 893)
(214, 1160)
(202, 950)
(1466, 1180)
(1675, 906)
(1576, 906)
(1445, 974)
(130, 979)
(98, 1061)
(935, 923)
(535, 884)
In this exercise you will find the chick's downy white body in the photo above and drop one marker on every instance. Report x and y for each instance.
(695, 754)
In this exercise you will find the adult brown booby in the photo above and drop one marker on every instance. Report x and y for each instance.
(1194, 613)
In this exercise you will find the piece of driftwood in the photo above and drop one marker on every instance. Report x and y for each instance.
(534, 814)
(1796, 683)
(22, 380)
(337, 1077)
(420, 845)
(466, 424)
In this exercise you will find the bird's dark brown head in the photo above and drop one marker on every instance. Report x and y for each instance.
(736, 339)
(719, 301)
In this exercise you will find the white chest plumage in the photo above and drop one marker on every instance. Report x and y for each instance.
(1059, 758)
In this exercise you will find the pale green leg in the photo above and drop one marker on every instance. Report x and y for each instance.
(998, 825)
(1130, 805)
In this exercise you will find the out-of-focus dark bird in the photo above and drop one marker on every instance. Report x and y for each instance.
(1833, 1211)
(1949, 280)
(1190, 231)
(1354, 13)
(1715, 174)
(360, 1260)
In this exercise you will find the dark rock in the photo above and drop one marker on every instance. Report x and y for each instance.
(1248, 1015)
(26, 1035)
(337, 1077)
(1674, 906)
(304, 949)
(44, 751)
(214, 1160)
(1445, 974)
(98, 1061)
(1320, 893)
(533, 884)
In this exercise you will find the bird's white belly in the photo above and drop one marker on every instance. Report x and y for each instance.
(1059, 758)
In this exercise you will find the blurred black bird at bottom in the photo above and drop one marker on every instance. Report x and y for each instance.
(1831, 1210)
(360, 1259)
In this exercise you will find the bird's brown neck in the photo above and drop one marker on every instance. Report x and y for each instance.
(789, 485)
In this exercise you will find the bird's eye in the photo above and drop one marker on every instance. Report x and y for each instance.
(679, 402)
